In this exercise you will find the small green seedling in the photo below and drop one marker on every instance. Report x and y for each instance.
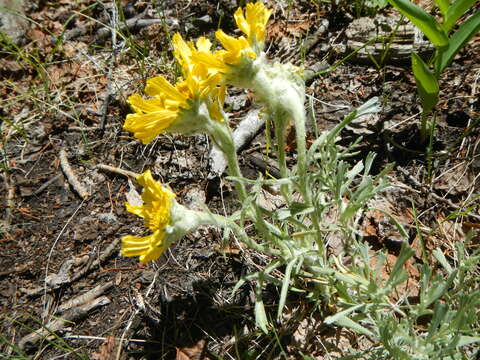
(447, 44)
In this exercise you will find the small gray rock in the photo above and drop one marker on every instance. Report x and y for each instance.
(12, 20)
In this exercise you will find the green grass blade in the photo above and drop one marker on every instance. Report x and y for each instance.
(427, 84)
(443, 5)
(465, 32)
(423, 20)
(458, 8)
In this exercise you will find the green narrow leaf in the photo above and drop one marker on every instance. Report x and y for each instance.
(443, 5)
(427, 84)
(260, 315)
(333, 318)
(439, 289)
(423, 20)
(438, 254)
(438, 316)
(458, 8)
(285, 286)
(458, 40)
(345, 321)
(467, 340)
(406, 253)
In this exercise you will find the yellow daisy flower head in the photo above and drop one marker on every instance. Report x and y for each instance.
(236, 60)
(173, 108)
(168, 221)
(184, 51)
(156, 211)
(253, 22)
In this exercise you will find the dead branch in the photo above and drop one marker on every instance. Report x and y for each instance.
(71, 177)
(84, 298)
(104, 256)
(44, 186)
(116, 170)
(31, 340)
(60, 279)
(10, 203)
(133, 24)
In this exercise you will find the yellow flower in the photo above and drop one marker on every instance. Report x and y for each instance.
(254, 22)
(167, 107)
(156, 213)
(183, 52)
(237, 50)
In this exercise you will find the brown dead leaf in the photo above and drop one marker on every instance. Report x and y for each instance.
(10, 65)
(195, 352)
(296, 27)
(227, 249)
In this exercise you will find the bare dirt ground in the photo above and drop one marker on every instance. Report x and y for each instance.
(63, 102)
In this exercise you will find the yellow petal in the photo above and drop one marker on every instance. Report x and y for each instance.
(257, 16)
(229, 42)
(137, 210)
(153, 190)
(160, 86)
(203, 44)
(212, 61)
(241, 21)
(181, 50)
(148, 248)
(145, 105)
(147, 126)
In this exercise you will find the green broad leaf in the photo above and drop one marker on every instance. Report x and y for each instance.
(458, 40)
(427, 84)
(423, 20)
(349, 323)
(455, 12)
(443, 5)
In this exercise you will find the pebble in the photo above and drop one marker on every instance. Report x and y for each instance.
(12, 20)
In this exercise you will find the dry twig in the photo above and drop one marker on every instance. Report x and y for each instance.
(116, 170)
(71, 177)
(31, 340)
(62, 279)
(44, 185)
(84, 298)
(10, 203)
